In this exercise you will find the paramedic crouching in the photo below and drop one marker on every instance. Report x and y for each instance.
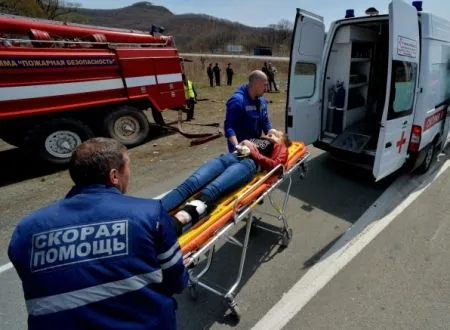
(99, 259)
(246, 114)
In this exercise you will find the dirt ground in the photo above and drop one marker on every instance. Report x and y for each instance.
(164, 155)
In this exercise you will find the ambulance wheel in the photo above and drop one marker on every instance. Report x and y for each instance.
(287, 237)
(428, 160)
(127, 125)
(55, 140)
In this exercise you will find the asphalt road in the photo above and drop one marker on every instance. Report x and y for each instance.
(401, 280)
(400, 271)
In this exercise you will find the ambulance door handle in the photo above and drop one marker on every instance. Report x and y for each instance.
(388, 145)
(405, 122)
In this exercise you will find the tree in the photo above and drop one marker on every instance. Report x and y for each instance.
(53, 9)
(284, 28)
(49, 9)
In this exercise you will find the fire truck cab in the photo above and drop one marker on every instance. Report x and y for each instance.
(375, 92)
(64, 83)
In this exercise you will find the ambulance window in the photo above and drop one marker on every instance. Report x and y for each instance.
(304, 80)
(403, 85)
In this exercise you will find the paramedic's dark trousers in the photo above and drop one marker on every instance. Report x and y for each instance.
(217, 177)
(190, 109)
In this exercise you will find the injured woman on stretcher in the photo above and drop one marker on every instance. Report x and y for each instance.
(222, 175)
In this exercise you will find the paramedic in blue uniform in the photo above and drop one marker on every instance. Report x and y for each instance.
(246, 114)
(99, 259)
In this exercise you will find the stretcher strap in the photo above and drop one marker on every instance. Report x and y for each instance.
(198, 235)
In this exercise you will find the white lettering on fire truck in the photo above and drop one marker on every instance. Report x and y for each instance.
(84, 243)
(8, 64)
(47, 63)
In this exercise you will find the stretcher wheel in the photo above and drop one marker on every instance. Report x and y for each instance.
(235, 311)
(192, 289)
(287, 237)
(255, 223)
(303, 169)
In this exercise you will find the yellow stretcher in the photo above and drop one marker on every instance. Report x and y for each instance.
(199, 241)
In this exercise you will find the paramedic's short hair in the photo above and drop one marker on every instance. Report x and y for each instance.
(256, 76)
(92, 161)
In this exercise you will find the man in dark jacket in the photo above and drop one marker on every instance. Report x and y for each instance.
(246, 114)
(210, 73)
(99, 259)
(217, 70)
(230, 73)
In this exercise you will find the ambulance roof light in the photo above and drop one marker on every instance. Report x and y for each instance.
(372, 11)
(418, 5)
(349, 13)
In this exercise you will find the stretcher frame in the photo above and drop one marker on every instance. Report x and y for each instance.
(244, 214)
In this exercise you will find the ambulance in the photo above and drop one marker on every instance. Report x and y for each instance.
(374, 91)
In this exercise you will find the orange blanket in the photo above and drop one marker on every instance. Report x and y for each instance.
(199, 234)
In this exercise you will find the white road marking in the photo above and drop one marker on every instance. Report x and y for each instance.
(6, 267)
(357, 237)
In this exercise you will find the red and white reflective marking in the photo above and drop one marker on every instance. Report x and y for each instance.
(48, 90)
(432, 120)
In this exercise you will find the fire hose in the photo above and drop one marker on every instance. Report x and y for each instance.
(198, 138)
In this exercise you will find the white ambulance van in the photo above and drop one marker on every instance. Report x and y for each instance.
(375, 92)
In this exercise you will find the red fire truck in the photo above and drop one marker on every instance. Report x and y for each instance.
(61, 84)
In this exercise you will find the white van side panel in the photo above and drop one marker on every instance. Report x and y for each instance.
(305, 77)
(434, 81)
(403, 78)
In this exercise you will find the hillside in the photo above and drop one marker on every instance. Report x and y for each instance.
(192, 32)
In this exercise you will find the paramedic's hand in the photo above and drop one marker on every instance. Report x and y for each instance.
(186, 261)
(248, 143)
(243, 150)
(271, 131)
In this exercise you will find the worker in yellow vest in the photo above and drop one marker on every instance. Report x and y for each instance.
(191, 97)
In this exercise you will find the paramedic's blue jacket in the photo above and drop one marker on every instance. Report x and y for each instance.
(245, 118)
(99, 260)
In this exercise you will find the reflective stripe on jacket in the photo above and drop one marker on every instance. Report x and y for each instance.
(99, 259)
(189, 91)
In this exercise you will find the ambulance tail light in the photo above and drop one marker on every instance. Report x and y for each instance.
(416, 135)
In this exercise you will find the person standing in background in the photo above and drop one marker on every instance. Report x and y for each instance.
(230, 73)
(210, 75)
(191, 97)
(271, 76)
(217, 74)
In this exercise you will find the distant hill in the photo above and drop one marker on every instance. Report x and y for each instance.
(192, 32)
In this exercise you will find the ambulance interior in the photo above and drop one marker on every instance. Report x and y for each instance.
(355, 86)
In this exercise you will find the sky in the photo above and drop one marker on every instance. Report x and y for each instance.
(260, 13)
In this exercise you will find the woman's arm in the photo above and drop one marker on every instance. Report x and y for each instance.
(279, 156)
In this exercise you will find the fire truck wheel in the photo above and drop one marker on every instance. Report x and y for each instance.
(128, 125)
(55, 140)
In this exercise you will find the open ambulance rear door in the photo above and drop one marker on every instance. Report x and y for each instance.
(404, 58)
(304, 112)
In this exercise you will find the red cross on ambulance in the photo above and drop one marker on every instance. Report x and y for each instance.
(401, 142)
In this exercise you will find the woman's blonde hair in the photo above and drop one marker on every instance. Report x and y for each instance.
(287, 142)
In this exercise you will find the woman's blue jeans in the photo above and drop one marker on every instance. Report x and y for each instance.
(217, 177)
